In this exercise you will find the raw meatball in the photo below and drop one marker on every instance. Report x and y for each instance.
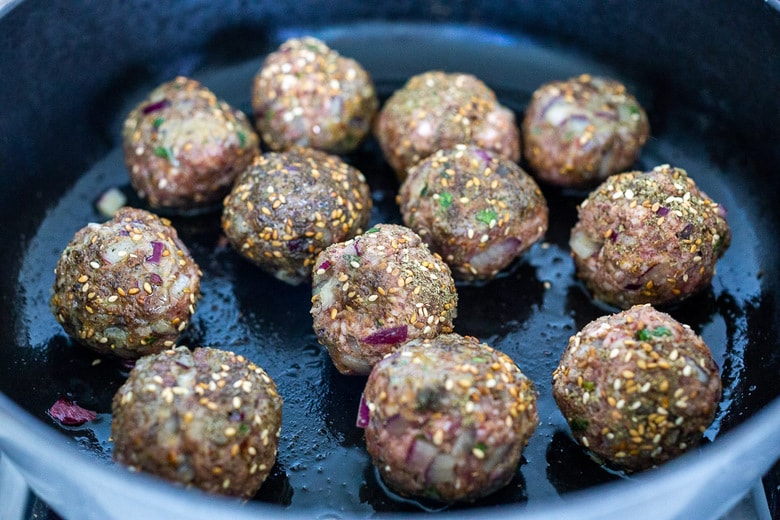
(436, 110)
(206, 418)
(448, 418)
(637, 388)
(126, 287)
(184, 147)
(307, 94)
(649, 237)
(289, 206)
(580, 131)
(376, 292)
(476, 209)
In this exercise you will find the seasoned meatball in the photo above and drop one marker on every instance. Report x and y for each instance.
(580, 131)
(436, 110)
(126, 287)
(476, 209)
(184, 147)
(207, 418)
(448, 418)
(649, 237)
(307, 94)
(288, 206)
(377, 291)
(637, 388)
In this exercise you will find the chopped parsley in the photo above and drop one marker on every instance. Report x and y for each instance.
(424, 190)
(158, 121)
(445, 199)
(241, 139)
(372, 230)
(578, 424)
(165, 153)
(589, 386)
(647, 334)
(486, 216)
(243, 429)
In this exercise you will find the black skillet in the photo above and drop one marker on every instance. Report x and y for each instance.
(706, 71)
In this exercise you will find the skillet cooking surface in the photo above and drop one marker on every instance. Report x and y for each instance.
(529, 312)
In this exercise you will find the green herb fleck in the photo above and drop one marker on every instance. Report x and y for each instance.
(486, 216)
(568, 136)
(634, 110)
(478, 359)
(241, 139)
(589, 385)
(445, 199)
(165, 153)
(647, 334)
(424, 190)
(537, 130)
(372, 230)
(352, 258)
(243, 429)
(148, 340)
(269, 116)
(481, 446)
(158, 121)
(578, 424)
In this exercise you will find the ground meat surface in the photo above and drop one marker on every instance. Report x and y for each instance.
(637, 388)
(437, 110)
(127, 287)
(307, 94)
(184, 147)
(650, 237)
(289, 206)
(207, 418)
(448, 418)
(476, 209)
(377, 291)
(580, 131)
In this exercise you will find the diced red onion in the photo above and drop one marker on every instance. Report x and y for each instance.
(69, 413)
(387, 336)
(582, 245)
(632, 287)
(685, 234)
(396, 425)
(363, 415)
(325, 265)
(613, 236)
(358, 252)
(157, 249)
(155, 279)
(662, 211)
(154, 107)
(484, 155)
(549, 104)
(421, 454)
(604, 114)
(722, 212)
(441, 470)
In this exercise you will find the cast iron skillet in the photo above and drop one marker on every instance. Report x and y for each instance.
(70, 74)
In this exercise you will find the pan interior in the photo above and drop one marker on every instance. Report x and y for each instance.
(528, 312)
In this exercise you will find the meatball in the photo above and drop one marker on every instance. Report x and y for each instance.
(184, 147)
(289, 206)
(436, 110)
(126, 287)
(649, 237)
(448, 418)
(307, 94)
(580, 131)
(476, 209)
(376, 292)
(207, 418)
(637, 388)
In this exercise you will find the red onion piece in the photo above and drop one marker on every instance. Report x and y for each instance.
(154, 107)
(325, 265)
(441, 470)
(421, 454)
(685, 234)
(484, 155)
(358, 252)
(387, 336)
(613, 236)
(396, 425)
(69, 413)
(157, 249)
(363, 416)
(662, 211)
(156, 279)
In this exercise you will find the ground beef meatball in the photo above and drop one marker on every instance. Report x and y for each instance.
(207, 418)
(288, 206)
(649, 237)
(637, 388)
(376, 292)
(476, 209)
(307, 94)
(184, 147)
(126, 287)
(448, 418)
(580, 131)
(436, 110)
